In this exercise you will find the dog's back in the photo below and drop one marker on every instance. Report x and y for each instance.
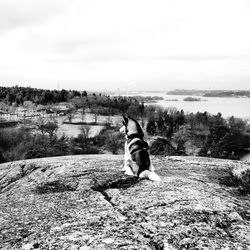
(138, 150)
(141, 157)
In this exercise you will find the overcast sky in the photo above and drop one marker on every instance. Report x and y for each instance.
(132, 44)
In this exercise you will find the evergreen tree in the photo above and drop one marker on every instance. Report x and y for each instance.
(151, 126)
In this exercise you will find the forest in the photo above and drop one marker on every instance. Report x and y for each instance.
(200, 134)
(169, 131)
(98, 103)
(17, 95)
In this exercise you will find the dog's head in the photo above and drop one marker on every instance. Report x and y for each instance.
(131, 127)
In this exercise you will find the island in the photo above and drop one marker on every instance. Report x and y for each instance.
(211, 93)
(148, 99)
(191, 99)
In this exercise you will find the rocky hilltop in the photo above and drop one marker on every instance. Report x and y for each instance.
(86, 202)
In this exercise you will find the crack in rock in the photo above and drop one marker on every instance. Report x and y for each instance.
(13, 176)
(104, 193)
(122, 183)
(109, 210)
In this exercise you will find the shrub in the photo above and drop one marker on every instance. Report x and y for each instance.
(151, 126)
(110, 139)
(82, 144)
(162, 146)
(2, 159)
(92, 150)
(241, 176)
(21, 143)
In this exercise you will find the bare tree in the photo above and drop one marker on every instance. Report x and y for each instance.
(95, 115)
(70, 113)
(85, 131)
(83, 113)
(108, 121)
(84, 136)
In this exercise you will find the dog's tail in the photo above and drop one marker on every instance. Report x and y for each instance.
(150, 175)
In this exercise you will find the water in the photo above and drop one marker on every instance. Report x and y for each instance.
(227, 106)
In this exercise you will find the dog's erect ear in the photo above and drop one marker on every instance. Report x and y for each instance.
(125, 120)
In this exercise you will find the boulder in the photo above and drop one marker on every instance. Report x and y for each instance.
(86, 202)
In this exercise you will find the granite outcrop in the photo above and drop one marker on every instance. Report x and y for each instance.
(86, 202)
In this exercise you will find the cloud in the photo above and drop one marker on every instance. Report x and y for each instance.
(16, 14)
(124, 41)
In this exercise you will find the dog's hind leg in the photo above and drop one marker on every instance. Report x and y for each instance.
(151, 168)
(127, 157)
(130, 168)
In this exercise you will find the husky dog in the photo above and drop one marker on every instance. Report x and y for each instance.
(137, 161)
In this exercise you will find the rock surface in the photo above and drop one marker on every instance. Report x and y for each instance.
(86, 202)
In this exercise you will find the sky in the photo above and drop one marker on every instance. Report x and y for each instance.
(126, 45)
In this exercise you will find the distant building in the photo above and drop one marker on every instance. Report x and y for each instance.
(60, 109)
(8, 116)
(3, 116)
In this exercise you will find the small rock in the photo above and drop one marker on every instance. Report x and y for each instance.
(199, 207)
(121, 218)
(226, 248)
(74, 247)
(167, 246)
(56, 228)
(162, 224)
(84, 248)
(108, 240)
(234, 216)
(186, 242)
(28, 246)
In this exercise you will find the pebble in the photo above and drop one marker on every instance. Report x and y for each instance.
(234, 216)
(108, 240)
(27, 246)
(74, 247)
(84, 248)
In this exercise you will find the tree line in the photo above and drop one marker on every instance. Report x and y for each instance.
(22, 142)
(17, 95)
(198, 133)
(171, 131)
(97, 103)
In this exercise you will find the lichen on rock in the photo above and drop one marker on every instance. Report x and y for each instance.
(86, 202)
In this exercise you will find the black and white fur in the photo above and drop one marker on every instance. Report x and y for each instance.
(137, 161)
